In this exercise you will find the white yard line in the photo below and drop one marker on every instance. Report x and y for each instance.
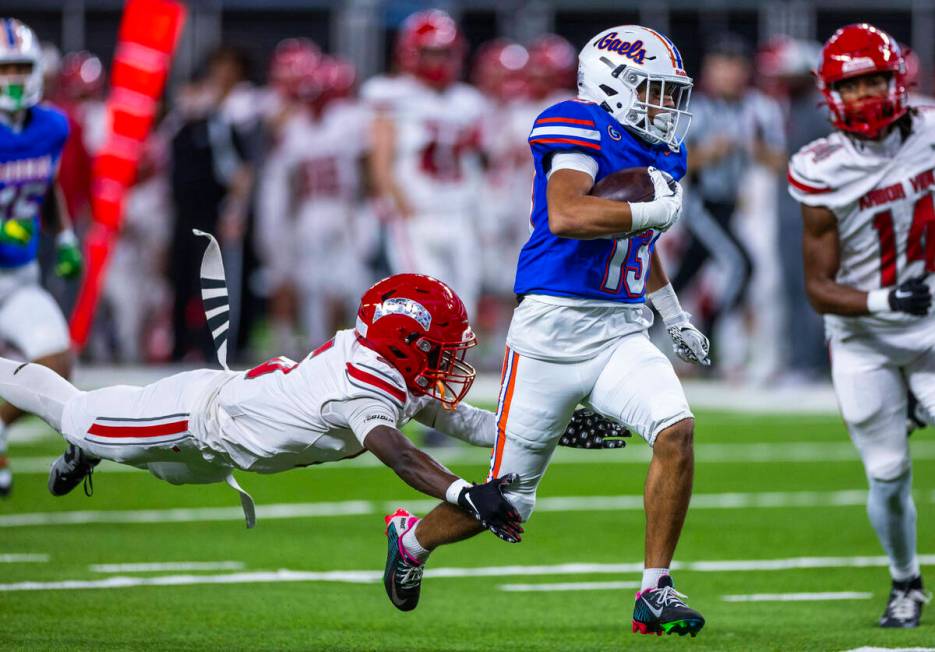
(798, 597)
(13, 558)
(635, 453)
(167, 566)
(373, 576)
(569, 586)
(759, 500)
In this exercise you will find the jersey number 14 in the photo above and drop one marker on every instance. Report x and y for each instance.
(920, 244)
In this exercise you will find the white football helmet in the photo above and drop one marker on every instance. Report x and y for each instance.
(19, 44)
(614, 65)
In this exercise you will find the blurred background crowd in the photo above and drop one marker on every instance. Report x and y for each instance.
(272, 136)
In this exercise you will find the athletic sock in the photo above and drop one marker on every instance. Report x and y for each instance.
(413, 547)
(892, 513)
(36, 389)
(651, 578)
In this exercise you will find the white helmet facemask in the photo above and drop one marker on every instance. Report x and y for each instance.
(636, 77)
(19, 45)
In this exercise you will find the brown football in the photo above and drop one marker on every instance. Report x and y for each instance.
(630, 184)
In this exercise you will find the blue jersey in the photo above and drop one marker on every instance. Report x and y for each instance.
(603, 269)
(28, 164)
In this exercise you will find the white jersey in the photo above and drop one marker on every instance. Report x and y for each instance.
(307, 198)
(437, 140)
(281, 415)
(882, 196)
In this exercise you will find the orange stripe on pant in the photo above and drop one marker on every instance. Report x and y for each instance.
(513, 358)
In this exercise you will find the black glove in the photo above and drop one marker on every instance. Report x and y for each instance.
(487, 504)
(588, 429)
(912, 296)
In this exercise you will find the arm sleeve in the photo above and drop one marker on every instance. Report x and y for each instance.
(574, 161)
(361, 415)
(469, 424)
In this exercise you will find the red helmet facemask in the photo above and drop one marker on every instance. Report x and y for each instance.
(855, 51)
(431, 47)
(419, 325)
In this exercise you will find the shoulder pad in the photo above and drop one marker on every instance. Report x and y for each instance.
(371, 378)
(568, 125)
(815, 171)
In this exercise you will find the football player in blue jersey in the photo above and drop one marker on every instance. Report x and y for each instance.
(31, 142)
(580, 331)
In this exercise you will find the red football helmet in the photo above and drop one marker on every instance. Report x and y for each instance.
(338, 77)
(81, 76)
(430, 46)
(293, 67)
(553, 66)
(421, 327)
(853, 51)
(499, 68)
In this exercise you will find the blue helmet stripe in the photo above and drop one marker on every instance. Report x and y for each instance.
(10, 36)
(678, 55)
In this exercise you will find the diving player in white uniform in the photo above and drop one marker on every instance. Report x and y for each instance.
(580, 333)
(404, 360)
(869, 247)
(31, 142)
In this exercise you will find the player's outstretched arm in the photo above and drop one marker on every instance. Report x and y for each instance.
(821, 253)
(573, 213)
(485, 502)
(478, 427)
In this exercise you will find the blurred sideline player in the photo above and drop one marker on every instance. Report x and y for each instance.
(425, 162)
(869, 247)
(405, 359)
(519, 84)
(31, 142)
(580, 332)
(307, 200)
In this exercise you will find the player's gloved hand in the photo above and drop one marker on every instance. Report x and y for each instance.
(67, 255)
(487, 504)
(588, 429)
(688, 342)
(17, 232)
(913, 296)
(664, 210)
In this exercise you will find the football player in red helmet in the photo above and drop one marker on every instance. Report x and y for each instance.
(499, 70)
(292, 67)
(552, 68)
(431, 47)
(867, 203)
(404, 360)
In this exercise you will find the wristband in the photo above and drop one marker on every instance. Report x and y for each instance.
(666, 302)
(454, 490)
(639, 220)
(878, 301)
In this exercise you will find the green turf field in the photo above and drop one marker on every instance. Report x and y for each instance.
(767, 488)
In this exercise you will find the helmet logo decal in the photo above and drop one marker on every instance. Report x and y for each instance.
(859, 63)
(406, 307)
(631, 50)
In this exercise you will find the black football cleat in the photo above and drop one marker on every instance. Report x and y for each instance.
(663, 609)
(402, 577)
(904, 606)
(70, 469)
(6, 478)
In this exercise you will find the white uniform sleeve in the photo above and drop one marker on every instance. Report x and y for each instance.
(574, 161)
(361, 415)
(470, 424)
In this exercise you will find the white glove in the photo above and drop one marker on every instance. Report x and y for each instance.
(663, 211)
(687, 341)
